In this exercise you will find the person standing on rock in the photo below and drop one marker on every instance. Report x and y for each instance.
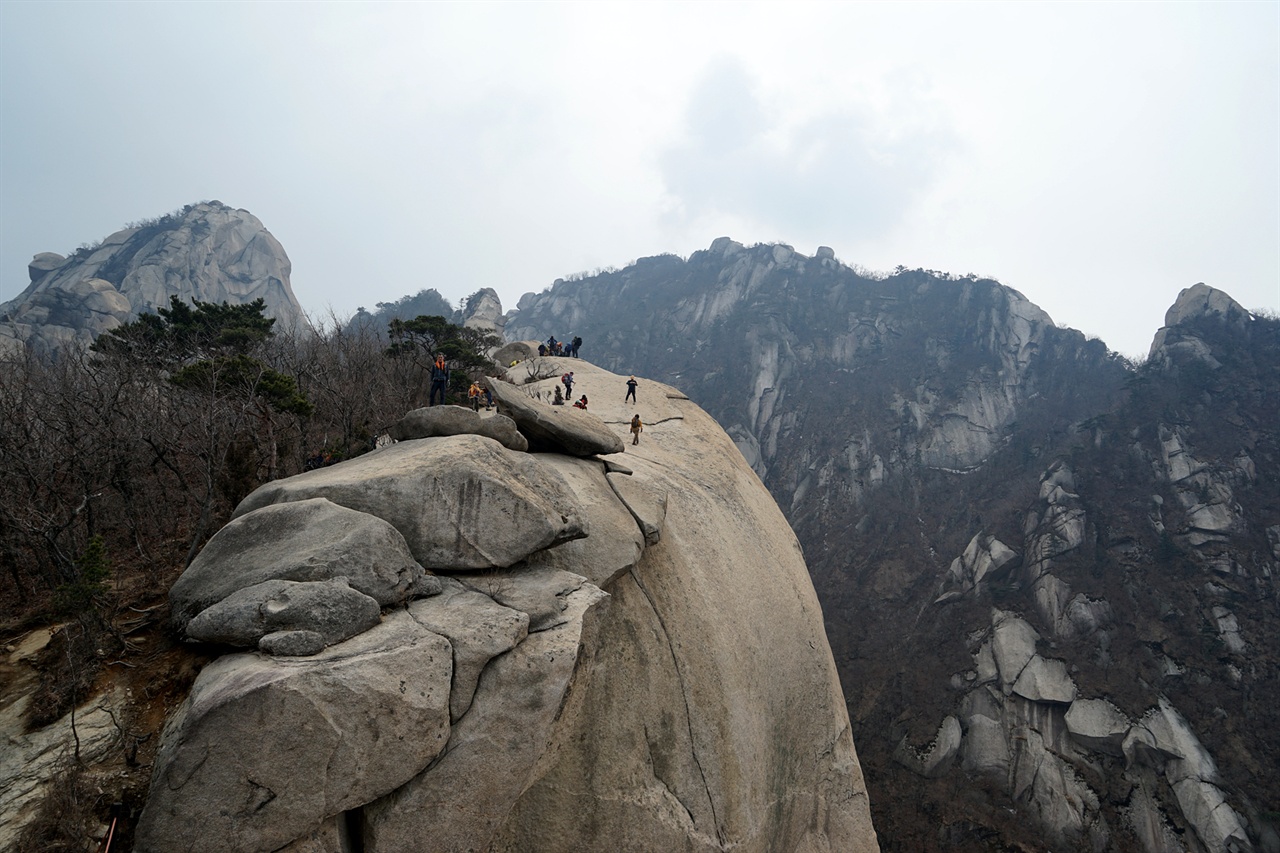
(577, 344)
(636, 429)
(439, 380)
(473, 394)
(631, 390)
(567, 379)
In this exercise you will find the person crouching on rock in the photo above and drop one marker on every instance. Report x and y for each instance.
(636, 429)
(559, 398)
(582, 403)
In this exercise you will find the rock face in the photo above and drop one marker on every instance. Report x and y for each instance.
(1016, 534)
(659, 679)
(208, 251)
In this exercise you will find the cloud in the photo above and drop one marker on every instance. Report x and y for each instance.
(848, 170)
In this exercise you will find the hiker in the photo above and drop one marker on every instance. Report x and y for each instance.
(542, 349)
(636, 429)
(559, 398)
(582, 403)
(567, 379)
(631, 390)
(577, 344)
(553, 346)
(439, 380)
(488, 399)
(473, 394)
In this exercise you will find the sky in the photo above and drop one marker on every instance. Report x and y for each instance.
(1098, 157)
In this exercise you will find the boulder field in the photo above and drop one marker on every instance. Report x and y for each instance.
(575, 648)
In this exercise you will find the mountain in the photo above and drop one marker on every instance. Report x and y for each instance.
(1047, 574)
(606, 650)
(208, 251)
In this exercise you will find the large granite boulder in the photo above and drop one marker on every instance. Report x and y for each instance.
(207, 251)
(436, 421)
(305, 540)
(265, 749)
(331, 609)
(557, 429)
(462, 502)
(598, 696)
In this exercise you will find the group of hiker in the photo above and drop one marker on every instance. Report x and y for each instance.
(478, 393)
(554, 347)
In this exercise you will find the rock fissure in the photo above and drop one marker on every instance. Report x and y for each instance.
(688, 714)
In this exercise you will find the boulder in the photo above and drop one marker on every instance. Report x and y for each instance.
(515, 351)
(44, 263)
(330, 608)
(306, 540)
(1045, 680)
(462, 502)
(575, 726)
(437, 421)
(264, 750)
(558, 429)
(1098, 725)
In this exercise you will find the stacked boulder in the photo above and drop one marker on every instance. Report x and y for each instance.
(441, 635)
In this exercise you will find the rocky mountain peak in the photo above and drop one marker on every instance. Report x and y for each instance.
(1191, 324)
(1201, 300)
(207, 251)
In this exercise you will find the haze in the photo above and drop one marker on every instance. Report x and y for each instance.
(1097, 157)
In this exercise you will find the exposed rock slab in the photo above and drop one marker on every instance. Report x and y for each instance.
(616, 540)
(478, 628)
(331, 609)
(557, 429)
(435, 421)
(30, 761)
(264, 750)
(310, 539)
(494, 748)
(462, 502)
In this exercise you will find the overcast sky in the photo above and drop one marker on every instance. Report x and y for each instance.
(1098, 157)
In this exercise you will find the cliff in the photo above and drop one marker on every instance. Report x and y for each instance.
(208, 252)
(575, 651)
(1049, 573)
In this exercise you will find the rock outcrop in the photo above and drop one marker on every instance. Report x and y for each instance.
(208, 252)
(1027, 547)
(627, 657)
